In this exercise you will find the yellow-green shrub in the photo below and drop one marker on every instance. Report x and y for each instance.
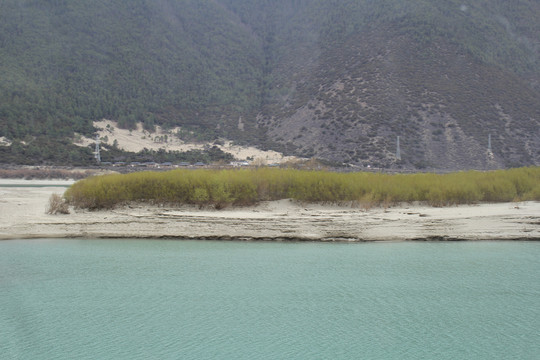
(244, 187)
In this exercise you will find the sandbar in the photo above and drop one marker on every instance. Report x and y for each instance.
(23, 205)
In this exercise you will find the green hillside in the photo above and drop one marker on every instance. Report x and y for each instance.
(67, 63)
(334, 79)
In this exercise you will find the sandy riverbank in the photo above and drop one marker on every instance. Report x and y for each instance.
(22, 215)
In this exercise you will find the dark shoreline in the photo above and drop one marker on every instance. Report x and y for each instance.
(296, 239)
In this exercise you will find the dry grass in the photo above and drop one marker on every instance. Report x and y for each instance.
(57, 205)
(45, 173)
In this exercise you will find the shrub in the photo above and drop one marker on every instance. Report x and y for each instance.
(200, 196)
(245, 187)
(57, 205)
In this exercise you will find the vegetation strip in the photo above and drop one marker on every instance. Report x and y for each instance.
(247, 187)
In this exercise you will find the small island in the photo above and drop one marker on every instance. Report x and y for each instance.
(282, 205)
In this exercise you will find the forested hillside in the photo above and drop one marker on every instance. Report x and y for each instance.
(334, 79)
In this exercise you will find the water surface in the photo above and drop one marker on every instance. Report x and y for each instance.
(159, 299)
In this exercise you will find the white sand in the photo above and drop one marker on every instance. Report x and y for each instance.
(138, 139)
(22, 215)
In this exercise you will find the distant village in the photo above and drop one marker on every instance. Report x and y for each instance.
(184, 164)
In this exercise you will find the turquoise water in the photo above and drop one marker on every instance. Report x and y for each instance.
(159, 299)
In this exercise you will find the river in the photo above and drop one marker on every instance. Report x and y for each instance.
(164, 299)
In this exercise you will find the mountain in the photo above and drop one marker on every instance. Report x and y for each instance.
(333, 79)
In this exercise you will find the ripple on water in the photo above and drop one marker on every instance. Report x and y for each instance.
(117, 299)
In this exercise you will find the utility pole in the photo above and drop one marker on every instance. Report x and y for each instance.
(489, 154)
(398, 150)
(97, 154)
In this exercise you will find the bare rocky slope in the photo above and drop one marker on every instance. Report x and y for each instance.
(442, 103)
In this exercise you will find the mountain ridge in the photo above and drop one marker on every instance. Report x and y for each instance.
(337, 80)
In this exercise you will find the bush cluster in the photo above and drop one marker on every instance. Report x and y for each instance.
(47, 173)
(220, 188)
(57, 205)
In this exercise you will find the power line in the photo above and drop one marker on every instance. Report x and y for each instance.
(398, 150)
(97, 154)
